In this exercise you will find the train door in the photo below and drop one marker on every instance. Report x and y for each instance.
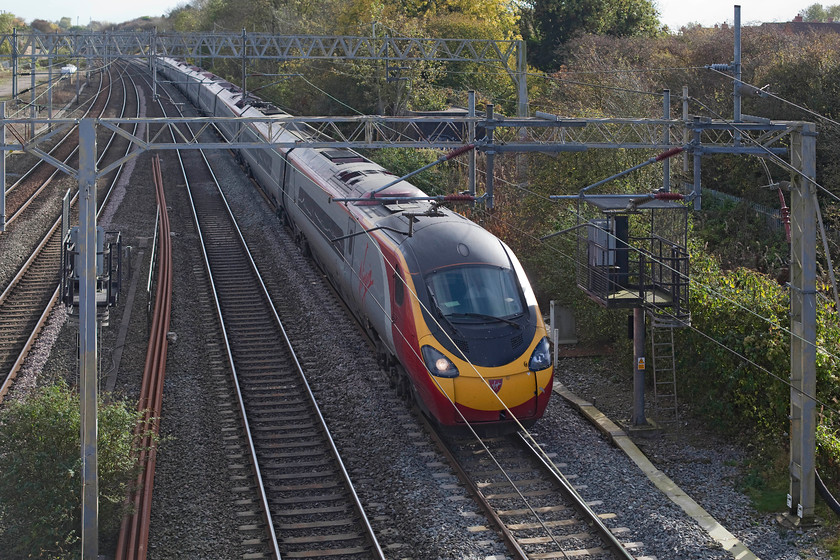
(352, 264)
(402, 323)
(283, 181)
(347, 273)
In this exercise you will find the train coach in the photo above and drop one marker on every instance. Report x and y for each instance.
(456, 323)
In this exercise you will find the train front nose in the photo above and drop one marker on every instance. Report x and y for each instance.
(485, 399)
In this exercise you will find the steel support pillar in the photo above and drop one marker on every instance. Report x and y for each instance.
(3, 166)
(14, 64)
(153, 64)
(521, 79)
(803, 321)
(639, 418)
(521, 106)
(32, 110)
(50, 88)
(471, 137)
(245, 64)
(697, 193)
(736, 63)
(686, 132)
(490, 156)
(666, 138)
(87, 338)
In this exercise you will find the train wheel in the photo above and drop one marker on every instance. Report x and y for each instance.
(282, 216)
(407, 390)
(402, 382)
(304, 246)
(384, 358)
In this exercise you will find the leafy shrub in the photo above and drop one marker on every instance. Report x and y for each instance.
(737, 371)
(746, 312)
(41, 472)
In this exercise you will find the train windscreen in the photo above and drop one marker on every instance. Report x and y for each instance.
(476, 292)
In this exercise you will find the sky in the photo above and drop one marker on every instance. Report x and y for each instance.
(677, 13)
(674, 13)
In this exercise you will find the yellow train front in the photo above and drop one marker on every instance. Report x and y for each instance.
(474, 342)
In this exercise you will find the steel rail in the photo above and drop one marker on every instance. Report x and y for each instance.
(587, 515)
(55, 148)
(252, 453)
(376, 549)
(492, 516)
(263, 499)
(566, 488)
(334, 449)
(111, 139)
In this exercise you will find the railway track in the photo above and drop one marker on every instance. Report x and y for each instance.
(27, 300)
(306, 486)
(309, 506)
(528, 501)
(26, 190)
(550, 520)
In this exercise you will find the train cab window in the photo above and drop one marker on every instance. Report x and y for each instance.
(476, 291)
(399, 287)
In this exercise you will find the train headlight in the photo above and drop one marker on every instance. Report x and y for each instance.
(438, 364)
(541, 357)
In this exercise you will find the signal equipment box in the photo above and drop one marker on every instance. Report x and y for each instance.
(632, 253)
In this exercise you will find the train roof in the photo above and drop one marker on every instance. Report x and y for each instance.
(344, 173)
(440, 240)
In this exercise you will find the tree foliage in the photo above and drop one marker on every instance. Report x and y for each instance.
(44, 26)
(40, 472)
(548, 25)
(9, 21)
(818, 13)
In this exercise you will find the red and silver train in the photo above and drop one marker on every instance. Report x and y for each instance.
(454, 316)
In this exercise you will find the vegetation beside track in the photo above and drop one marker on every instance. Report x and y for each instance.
(41, 472)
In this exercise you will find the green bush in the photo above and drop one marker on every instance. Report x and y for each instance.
(41, 472)
(741, 314)
(737, 371)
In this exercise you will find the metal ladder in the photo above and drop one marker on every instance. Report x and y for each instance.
(664, 370)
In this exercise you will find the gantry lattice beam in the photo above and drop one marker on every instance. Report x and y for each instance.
(528, 134)
(258, 46)
(506, 54)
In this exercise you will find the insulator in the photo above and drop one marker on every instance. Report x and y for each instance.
(720, 67)
(458, 151)
(459, 198)
(668, 153)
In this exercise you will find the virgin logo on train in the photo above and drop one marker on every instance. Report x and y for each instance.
(365, 276)
(495, 384)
